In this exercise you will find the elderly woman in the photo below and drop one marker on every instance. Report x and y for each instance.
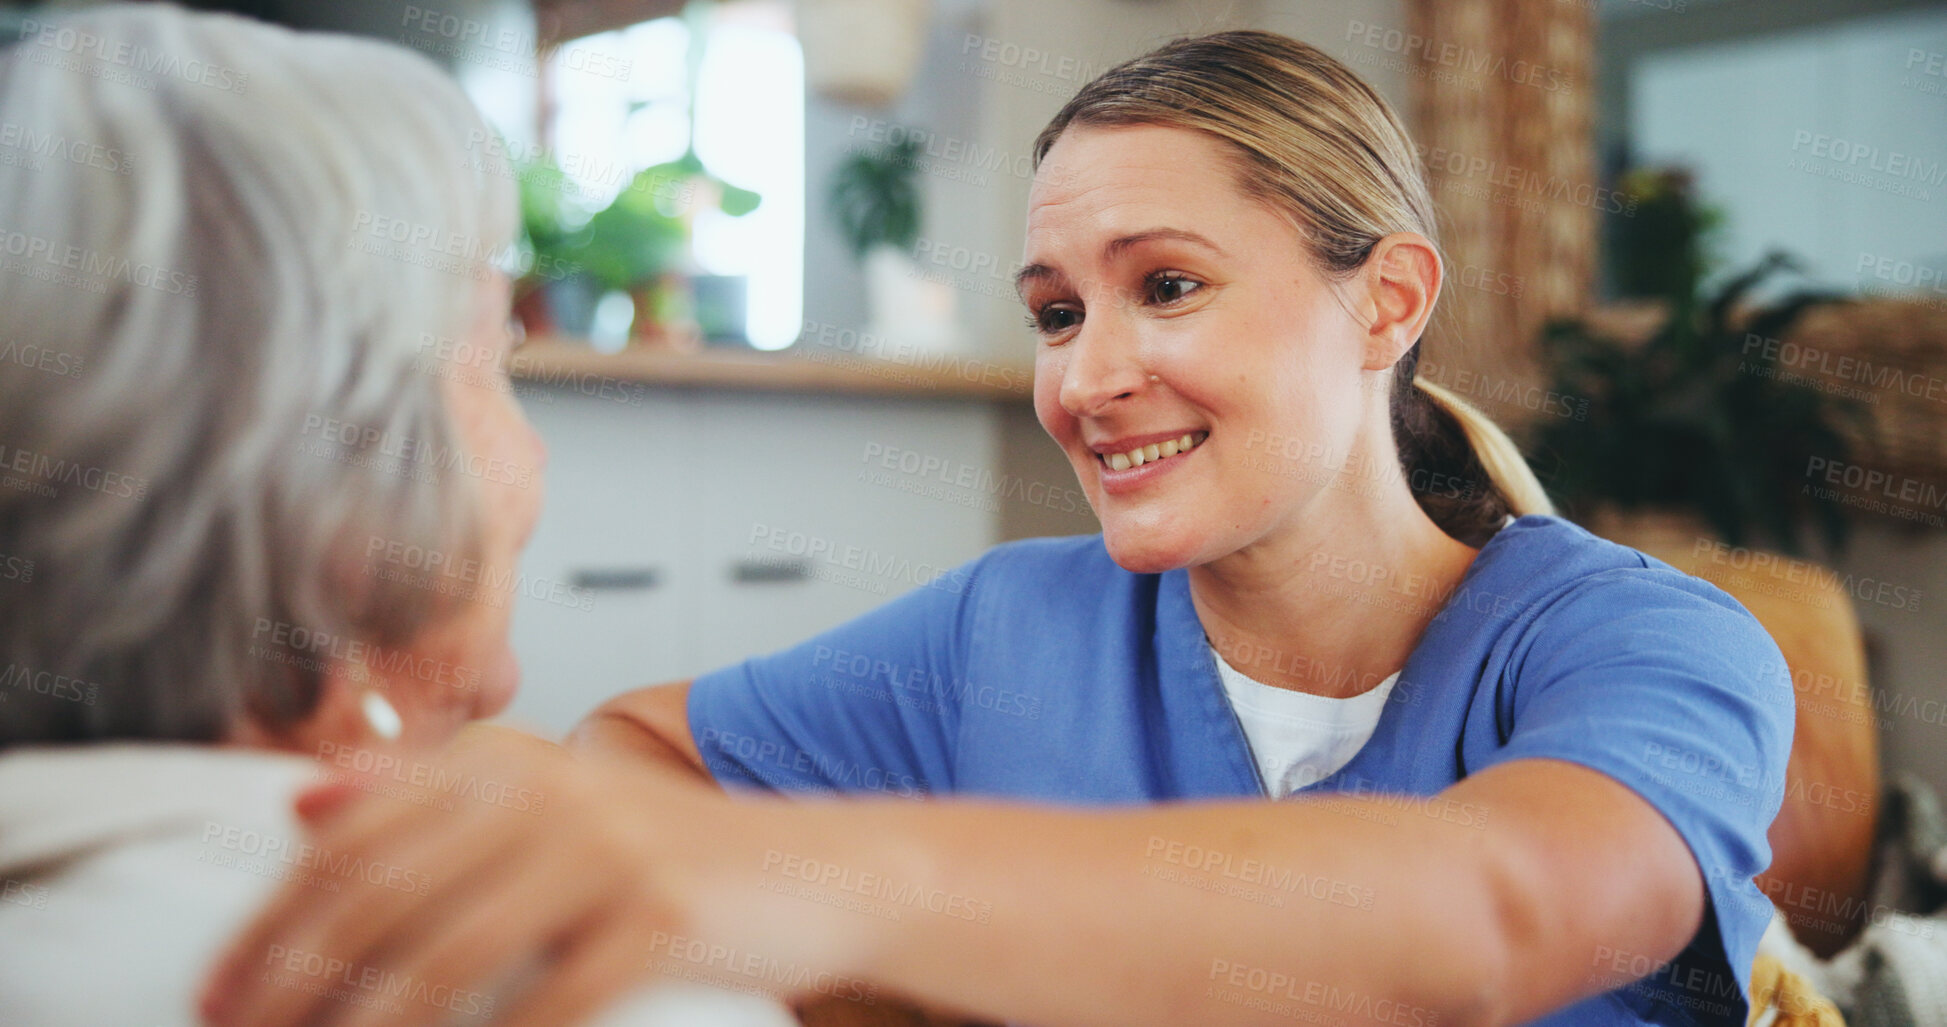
(1333, 723)
(235, 264)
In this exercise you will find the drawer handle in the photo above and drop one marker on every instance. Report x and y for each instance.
(616, 579)
(758, 570)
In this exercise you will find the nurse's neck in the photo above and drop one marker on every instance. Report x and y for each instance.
(1334, 602)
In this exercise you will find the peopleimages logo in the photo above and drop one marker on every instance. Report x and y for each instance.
(1522, 182)
(964, 152)
(1453, 55)
(42, 473)
(23, 678)
(1880, 483)
(817, 549)
(406, 449)
(81, 44)
(40, 358)
(91, 265)
(58, 147)
(1892, 163)
(1902, 272)
(1844, 366)
(1865, 165)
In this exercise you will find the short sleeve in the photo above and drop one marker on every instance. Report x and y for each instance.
(867, 707)
(1668, 686)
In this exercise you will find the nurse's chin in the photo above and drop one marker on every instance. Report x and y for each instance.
(1147, 551)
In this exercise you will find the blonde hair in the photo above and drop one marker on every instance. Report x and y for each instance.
(1317, 144)
(219, 293)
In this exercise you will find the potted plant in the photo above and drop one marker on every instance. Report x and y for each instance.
(639, 244)
(1686, 422)
(555, 295)
(876, 202)
(875, 198)
(1663, 251)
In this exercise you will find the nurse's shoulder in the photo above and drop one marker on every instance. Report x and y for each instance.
(1571, 594)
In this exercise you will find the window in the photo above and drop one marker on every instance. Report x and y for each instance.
(623, 101)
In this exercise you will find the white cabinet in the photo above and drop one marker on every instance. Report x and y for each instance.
(716, 525)
(613, 480)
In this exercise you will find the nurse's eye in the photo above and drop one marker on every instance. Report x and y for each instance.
(1167, 287)
(1054, 319)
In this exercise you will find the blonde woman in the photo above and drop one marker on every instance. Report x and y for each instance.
(1333, 722)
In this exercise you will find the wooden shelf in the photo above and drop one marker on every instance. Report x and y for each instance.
(574, 365)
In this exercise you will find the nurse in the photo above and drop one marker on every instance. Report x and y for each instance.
(1333, 721)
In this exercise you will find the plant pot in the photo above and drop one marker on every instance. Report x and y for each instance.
(663, 319)
(530, 308)
(569, 304)
(722, 303)
(862, 51)
(906, 308)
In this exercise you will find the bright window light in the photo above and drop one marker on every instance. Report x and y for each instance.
(749, 132)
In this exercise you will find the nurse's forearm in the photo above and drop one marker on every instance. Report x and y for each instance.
(1351, 911)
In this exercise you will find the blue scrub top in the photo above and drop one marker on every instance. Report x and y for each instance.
(1043, 671)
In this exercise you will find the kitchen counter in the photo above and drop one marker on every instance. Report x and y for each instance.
(577, 366)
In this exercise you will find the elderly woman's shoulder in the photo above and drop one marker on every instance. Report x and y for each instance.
(134, 863)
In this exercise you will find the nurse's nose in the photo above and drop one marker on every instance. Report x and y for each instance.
(1102, 367)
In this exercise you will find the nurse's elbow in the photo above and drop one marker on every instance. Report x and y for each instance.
(649, 725)
(1467, 928)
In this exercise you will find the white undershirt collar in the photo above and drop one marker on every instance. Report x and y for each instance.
(1298, 738)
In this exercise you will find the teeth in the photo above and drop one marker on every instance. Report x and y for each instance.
(1154, 451)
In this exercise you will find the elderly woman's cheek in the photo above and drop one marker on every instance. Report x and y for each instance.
(506, 455)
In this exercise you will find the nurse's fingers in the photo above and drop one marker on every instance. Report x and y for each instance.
(601, 962)
(453, 961)
(422, 848)
(311, 944)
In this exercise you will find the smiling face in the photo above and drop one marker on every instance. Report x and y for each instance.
(1168, 303)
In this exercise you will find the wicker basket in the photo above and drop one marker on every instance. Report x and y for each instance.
(1892, 355)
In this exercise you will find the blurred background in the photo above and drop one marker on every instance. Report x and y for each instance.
(1697, 265)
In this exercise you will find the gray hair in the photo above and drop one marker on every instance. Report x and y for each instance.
(228, 248)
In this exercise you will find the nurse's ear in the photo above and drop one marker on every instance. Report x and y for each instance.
(1396, 290)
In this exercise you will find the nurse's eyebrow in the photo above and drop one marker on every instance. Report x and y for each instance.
(1033, 273)
(1116, 248)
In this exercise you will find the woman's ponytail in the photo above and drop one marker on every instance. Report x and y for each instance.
(1507, 470)
(1463, 469)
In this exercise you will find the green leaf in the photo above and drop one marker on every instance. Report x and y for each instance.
(738, 201)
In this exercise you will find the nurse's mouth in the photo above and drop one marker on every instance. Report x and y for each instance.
(1150, 452)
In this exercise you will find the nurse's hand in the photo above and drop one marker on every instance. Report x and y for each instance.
(426, 894)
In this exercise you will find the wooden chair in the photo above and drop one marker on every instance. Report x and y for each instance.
(1822, 839)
